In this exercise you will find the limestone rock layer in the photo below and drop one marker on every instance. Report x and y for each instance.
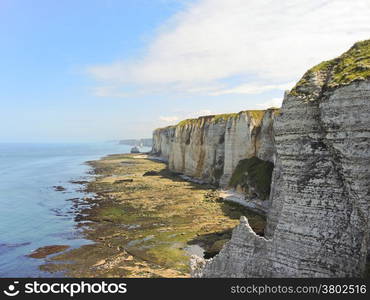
(318, 224)
(209, 148)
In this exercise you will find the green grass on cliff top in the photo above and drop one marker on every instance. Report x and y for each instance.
(214, 119)
(211, 119)
(353, 65)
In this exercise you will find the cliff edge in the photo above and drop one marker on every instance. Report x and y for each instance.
(318, 224)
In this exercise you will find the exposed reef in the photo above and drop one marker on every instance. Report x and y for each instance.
(144, 221)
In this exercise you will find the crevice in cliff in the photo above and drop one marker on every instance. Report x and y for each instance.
(337, 159)
(255, 134)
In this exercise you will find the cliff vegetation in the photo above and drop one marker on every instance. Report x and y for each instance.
(254, 176)
(353, 65)
(214, 119)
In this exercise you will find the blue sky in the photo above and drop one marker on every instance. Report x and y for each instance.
(99, 70)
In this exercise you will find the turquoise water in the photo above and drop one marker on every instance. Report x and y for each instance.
(32, 213)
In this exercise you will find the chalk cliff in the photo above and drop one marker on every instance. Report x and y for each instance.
(163, 139)
(210, 147)
(318, 224)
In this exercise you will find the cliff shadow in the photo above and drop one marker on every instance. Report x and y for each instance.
(176, 177)
(212, 243)
(229, 209)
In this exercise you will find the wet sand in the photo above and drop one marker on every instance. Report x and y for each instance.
(147, 226)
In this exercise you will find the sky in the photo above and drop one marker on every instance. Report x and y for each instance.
(95, 70)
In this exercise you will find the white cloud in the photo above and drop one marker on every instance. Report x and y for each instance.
(169, 119)
(200, 113)
(274, 102)
(185, 115)
(253, 88)
(267, 42)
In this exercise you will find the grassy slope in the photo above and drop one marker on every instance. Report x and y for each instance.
(353, 65)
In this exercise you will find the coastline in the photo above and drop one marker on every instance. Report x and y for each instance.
(146, 226)
(39, 201)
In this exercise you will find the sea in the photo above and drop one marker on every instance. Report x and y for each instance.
(33, 213)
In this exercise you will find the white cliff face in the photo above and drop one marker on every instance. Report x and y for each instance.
(245, 255)
(162, 142)
(318, 224)
(209, 148)
(198, 149)
(250, 135)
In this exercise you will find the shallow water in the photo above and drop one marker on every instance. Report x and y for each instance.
(32, 213)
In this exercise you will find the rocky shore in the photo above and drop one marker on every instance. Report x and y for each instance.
(146, 221)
